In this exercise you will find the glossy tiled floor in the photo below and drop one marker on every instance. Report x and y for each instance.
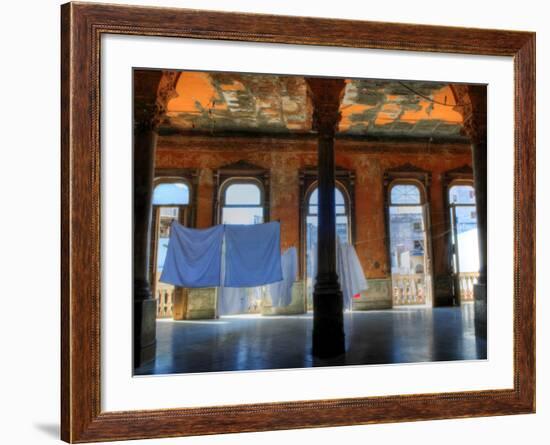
(247, 342)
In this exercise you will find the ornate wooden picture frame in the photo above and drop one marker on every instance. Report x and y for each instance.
(82, 26)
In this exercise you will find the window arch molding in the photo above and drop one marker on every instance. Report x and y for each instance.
(407, 182)
(188, 176)
(463, 175)
(407, 173)
(459, 182)
(240, 172)
(159, 180)
(459, 176)
(238, 180)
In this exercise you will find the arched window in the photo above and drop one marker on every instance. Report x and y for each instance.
(408, 241)
(343, 229)
(342, 218)
(171, 201)
(171, 193)
(464, 239)
(242, 202)
(462, 193)
(405, 194)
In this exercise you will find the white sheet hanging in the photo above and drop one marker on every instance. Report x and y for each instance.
(281, 292)
(350, 273)
(348, 267)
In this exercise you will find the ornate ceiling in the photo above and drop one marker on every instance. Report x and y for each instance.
(234, 102)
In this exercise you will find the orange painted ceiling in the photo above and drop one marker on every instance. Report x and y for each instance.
(233, 102)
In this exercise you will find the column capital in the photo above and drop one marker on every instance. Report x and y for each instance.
(473, 106)
(152, 91)
(326, 95)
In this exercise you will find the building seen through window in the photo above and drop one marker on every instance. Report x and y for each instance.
(407, 230)
(464, 236)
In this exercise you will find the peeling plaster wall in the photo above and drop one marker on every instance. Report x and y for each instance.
(285, 188)
(204, 196)
(285, 163)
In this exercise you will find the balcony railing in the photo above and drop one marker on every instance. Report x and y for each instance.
(408, 289)
(466, 281)
(165, 302)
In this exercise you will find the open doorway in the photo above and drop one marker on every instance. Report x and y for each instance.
(171, 199)
(409, 248)
(464, 236)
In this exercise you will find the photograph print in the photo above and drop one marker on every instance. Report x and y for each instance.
(287, 221)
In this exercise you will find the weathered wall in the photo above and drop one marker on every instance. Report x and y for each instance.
(284, 166)
(285, 159)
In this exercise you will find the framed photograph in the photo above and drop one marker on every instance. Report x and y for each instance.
(276, 222)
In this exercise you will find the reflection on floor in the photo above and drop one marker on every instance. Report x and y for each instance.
(248, 342)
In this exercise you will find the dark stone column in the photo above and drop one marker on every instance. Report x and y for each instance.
(479, 154)
(478, 132)
(328, 312)
(152, 90)
(145, 139)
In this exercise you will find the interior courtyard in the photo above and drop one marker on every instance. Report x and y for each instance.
(394, 171)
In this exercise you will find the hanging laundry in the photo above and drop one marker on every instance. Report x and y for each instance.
(348, 267)
(281, 292)
(232, 300)
(252, 255)
(350, 273)
(193, 258)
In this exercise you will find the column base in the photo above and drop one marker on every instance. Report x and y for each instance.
(328, 322)
(145, 330)
(443, 291)
(480, 310)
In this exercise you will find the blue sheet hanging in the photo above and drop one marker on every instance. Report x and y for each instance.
(252, 254)
(231, 300)
(193, 258)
